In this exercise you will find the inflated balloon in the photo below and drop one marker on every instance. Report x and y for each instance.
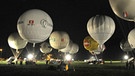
(123, 9)
(59, 39)
(101, 28)
(67, 48)
(100, 49)
(74, 48)
(125, 46)
(16, 42)
(131, 38)
(35, 25)
(89, 43)
(45, 48)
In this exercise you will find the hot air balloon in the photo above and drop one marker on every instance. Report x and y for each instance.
(101, 28)
(74, 48)
(100, 49)
(131, 38)
(35, 26)
(59, 39)
(123, 9)
(45, 48)
(90, 44)
(17, 43)
(125, 46)
(67, 48)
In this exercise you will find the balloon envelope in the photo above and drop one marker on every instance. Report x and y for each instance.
(59, 39)
(34, 25)
(89, 43)
(131, 38)
(16, 42)
(101, 28)
(125, 46)
(100, 49)
(123, 9)
(45, 48)
(74, 48)
(67, 48)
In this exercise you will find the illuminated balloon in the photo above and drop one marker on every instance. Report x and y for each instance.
(90, 44)
(45, 48)
(125, 46)
(16, 42)
(59, 39)
(67, 48)
(131, 38)
(101, 28)
(123, 9)
(100, 49)
(74, 48)
(35, 25)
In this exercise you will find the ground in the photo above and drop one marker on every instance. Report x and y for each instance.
(81, 69)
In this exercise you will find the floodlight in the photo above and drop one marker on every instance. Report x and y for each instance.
(68, 57)
(30, 56)
(126, 57)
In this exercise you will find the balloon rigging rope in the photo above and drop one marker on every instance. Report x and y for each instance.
(27, 49)
(16, 55)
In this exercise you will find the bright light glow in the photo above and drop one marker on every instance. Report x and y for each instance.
(92, 58)
(1, 50)
(68, 57)
(30, 56)
(126, 57)
(72, 59)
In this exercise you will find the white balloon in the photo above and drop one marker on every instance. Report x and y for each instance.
(125, 46)
(67, 48)
(101, 28)
(59, 39)
(131, 38)
(35, 25)
(100, 49)
(123, 9)
(74, 48)
(45, 48)
(16, 42)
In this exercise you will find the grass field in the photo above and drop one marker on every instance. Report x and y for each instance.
(81, 69)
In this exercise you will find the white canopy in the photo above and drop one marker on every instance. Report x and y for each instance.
(67, 48)
(74, 48)
(45, 47)
(59, 39)
(125, 46)
(124, 9)
(101, 28)
(131, 38)
(35, 25)
(16, 42)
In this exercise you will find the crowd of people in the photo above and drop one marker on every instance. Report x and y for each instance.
(12, 60)
(62, 66)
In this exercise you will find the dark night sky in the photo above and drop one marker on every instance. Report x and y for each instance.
(67, 15)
